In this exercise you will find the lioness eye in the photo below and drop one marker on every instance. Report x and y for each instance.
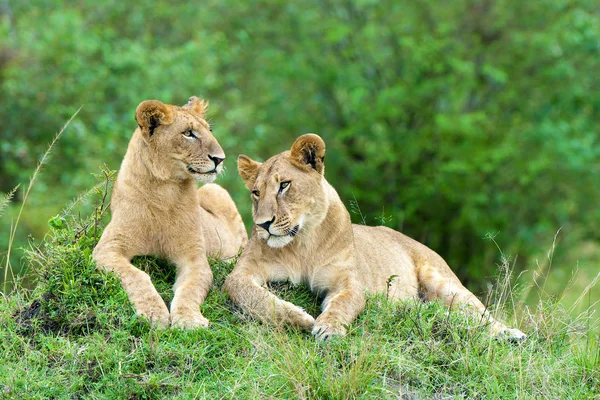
(283, 185)
(256, 193)
(188, 133)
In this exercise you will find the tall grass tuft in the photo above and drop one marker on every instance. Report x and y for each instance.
(32, 180)
(7, 199)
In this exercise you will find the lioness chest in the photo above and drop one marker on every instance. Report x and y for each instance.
(301, 265)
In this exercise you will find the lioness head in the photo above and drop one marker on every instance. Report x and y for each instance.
(179, 140)
(288, 192)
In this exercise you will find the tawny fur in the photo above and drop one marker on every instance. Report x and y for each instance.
(157, 209)
(303, 233)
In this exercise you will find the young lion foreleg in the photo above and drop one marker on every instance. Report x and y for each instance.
(247, 291)
(193, 281)
(137, 285)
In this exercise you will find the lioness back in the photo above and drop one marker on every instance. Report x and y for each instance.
(394, 259)
(380, 257)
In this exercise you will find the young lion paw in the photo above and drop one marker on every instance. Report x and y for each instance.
(155, 310)
(303, 320)
(297, 317)
(324, 330)
(188, 320)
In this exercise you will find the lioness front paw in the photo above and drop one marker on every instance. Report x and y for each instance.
(188, 320)
(324, 330)
(511, 334)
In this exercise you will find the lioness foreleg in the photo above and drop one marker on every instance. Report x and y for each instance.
(340, 307)
(248, 292)
(193, 281)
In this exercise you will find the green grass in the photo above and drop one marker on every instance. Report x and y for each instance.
(75, 335)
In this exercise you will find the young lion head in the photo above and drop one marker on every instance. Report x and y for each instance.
(288, 192)
(179, 140)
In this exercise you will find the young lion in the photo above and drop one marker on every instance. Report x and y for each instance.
(303, 233)
(157, 209)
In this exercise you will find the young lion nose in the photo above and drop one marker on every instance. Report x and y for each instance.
(216, 160)
(267, 224)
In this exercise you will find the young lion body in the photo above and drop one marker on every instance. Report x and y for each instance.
(303, 233)
(158, 210)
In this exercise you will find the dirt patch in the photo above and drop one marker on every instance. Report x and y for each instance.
(34, 317)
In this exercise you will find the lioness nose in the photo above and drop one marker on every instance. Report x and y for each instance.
(267, 224)
(216, 160)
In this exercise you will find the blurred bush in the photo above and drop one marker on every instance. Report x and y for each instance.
(446, 120)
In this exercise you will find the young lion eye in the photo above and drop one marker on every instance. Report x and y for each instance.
(188, 133)
(255, 193)
(283, 185)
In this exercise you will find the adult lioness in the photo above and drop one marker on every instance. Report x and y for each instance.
(157, 209)
(303, 233)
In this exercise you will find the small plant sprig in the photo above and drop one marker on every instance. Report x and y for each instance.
(355, 209)
(86, 231)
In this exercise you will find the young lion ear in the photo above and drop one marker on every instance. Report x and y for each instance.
(196, 106)
(248, 169)
(152, 113)
(309, 151)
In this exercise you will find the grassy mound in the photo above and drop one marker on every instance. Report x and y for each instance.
(77, 336)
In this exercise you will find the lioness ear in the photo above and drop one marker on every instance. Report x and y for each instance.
(152, 113)
(196, 106)
(248, 169)
(309, 151)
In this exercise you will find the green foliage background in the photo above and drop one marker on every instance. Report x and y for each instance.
(446, 120)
